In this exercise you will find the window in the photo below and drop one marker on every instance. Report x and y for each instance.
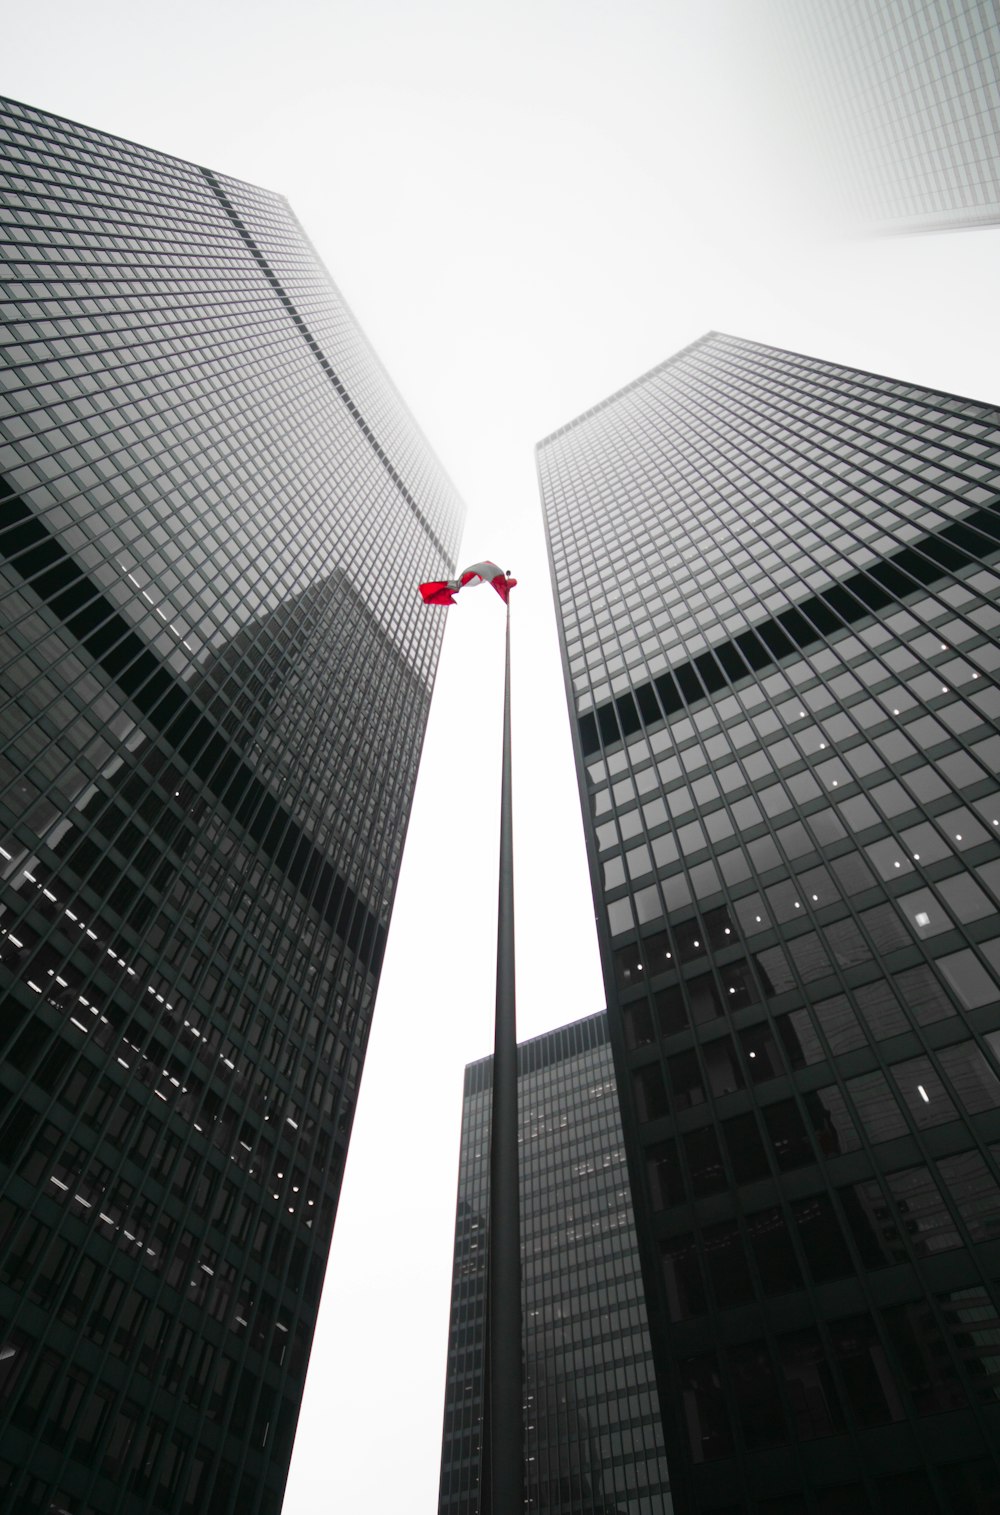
(704, 1161)
(709, 1433)
(773, 1251)
(638, 1020)
(671, 1010)
(760, 1052)
(747, 1155)
(924, 844)
(703, 996)
(968, 978)
(664, 1174)
(722, 1067)
(964, 898)
(922, 1092)
(918, 1213)
(726, 1262)
(889, 858)
(970, 1316)
(972, 1078)
(682, 1275)
(922, 912)
(864, 1371)
(650, 1093)
(975, 1193)
(809, 1386)
(923, 994)
(685, 1080)
(757, 1400)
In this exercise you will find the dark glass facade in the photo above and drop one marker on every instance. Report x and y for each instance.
(593, 1438)
(214, 510)
(778, 586)
(899, 101)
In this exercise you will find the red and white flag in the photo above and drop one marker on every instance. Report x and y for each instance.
(443, 591)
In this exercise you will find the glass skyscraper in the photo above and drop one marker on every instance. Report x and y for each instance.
(593, 1438)
(777, 581)
(214, 511)
(896, 102)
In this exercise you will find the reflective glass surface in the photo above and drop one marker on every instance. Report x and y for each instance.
(593, 1439)
(778, 590)
(214, 509)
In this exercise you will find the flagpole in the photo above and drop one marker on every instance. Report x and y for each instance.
(503, 1466)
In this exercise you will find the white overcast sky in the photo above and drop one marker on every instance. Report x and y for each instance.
(526, 205)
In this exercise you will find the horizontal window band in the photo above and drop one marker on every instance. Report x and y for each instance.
(796, 629)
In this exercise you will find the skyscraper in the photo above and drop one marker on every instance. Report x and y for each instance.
(894, 105)
(778, 587)
(216, 671)
(593, 1440)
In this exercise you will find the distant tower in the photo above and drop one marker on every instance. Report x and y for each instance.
(593, 1442)
(777, 581)
(214, 511)
(895, 105)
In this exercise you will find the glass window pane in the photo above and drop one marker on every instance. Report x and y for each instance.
(889, 858)
(682, 1276)
(891, 798)
(747, 1155)
(663, 1172)
(924, 844)
(705, 1415)
(757, 1400)
(809, 1386)
(969, 979)
(726, 1262)
(721, 1067)
(921, 1214)
(974, 1191)
(962, 829)
(671, 1010)
(773, 1251)
(924, 996)
(760, 1052)
(973, 1080)
(877, 1109)
(704, 1160)
(923, 913)
(929, 1376)
(971, 1318)
(964, 898)
(873, 1225)
(821, 1237)
(922, 1092)
(787, 1134)
(703, 996)
(650, 1092)
(858, 812)
(686, 1082)
(866, 1375)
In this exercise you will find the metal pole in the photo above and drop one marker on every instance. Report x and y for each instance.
(504, 1399)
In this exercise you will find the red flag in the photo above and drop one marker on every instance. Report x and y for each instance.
(443, 591)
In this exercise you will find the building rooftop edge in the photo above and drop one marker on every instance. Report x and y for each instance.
(543, 1036)
(144, 147)
(869, 373)
(626, 388)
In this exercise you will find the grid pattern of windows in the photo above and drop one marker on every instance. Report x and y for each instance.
(216, 672)
(593, 1441)
(901, 100)
(793, 819)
